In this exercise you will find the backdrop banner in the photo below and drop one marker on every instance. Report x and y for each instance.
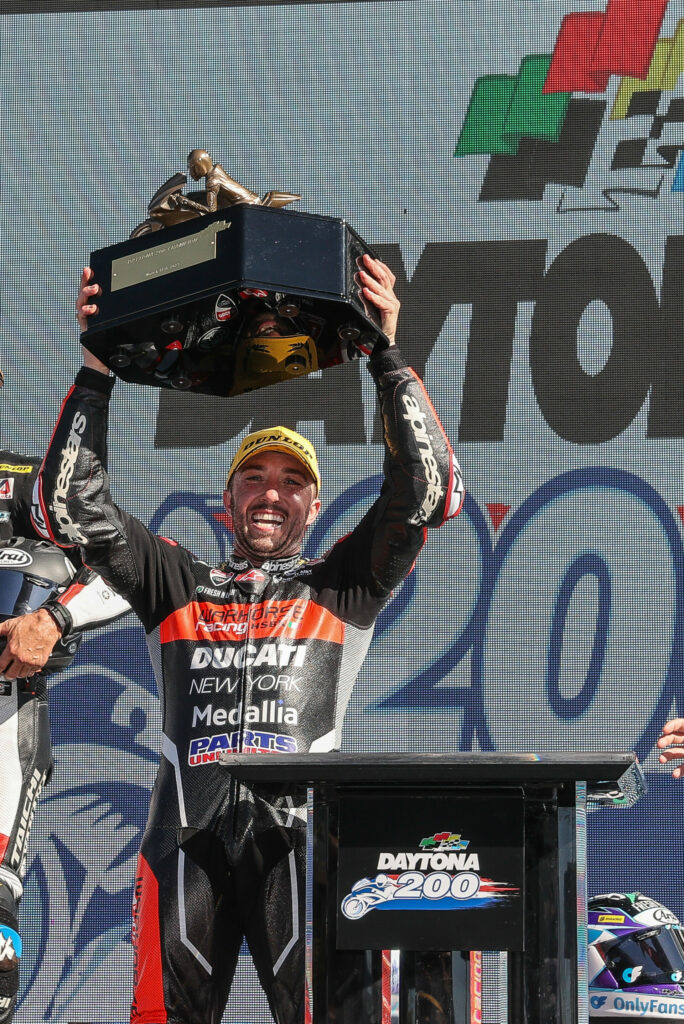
(520, 168)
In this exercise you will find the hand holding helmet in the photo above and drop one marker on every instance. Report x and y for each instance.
(32, 572)
(29, 641)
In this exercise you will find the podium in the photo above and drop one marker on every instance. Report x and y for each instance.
(483, 853)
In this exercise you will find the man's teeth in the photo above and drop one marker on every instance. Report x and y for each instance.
(268, 517)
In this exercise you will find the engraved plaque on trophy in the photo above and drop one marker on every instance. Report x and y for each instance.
(219, 292)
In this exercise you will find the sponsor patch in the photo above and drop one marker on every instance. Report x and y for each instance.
(10, 947)
(638, 1005)
(225, 309)
(207, 339)
(265, 618)
(220, 578)
(273, 655)
(4, 517)
(69, 455)
(13, 558)
(17, 858)
(251, 576)
(7, 467)
(6, 488)
(269, 712)
(415, 417)
(206, 749)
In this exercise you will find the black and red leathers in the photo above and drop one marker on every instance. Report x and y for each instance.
(247, 659)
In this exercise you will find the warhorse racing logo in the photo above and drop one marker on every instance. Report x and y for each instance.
(539, 133)
(443, 874)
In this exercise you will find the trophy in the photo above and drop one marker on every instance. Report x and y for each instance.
(219, 291)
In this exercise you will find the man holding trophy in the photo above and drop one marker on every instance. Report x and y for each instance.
(220, 860)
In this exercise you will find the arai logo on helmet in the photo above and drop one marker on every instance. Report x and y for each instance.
(12, 558)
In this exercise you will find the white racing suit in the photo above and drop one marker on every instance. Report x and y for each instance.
(24, 723)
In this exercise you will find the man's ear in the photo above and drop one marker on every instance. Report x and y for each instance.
(227, 504)
(313, 512)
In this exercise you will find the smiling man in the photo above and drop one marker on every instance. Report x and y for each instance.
(271, 494)
(258, 654)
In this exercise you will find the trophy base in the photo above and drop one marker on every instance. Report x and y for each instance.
(176, 305)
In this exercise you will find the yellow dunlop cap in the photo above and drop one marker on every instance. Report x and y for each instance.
(278, 439)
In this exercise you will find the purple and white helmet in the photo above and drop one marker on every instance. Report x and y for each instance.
(635, 957)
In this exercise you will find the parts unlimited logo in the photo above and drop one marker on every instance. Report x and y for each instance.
(539, 133)
(440, 876)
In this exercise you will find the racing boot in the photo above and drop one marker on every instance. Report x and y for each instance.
(10, 953)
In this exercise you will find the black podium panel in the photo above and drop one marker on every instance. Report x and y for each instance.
(431, 872)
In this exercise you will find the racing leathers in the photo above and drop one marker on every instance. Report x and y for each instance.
(24, 724)
(247, 660)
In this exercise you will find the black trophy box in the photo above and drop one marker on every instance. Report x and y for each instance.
(175, 302)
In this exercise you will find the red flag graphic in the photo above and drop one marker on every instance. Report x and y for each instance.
(629, 36)
(592, 46)
(571, 65)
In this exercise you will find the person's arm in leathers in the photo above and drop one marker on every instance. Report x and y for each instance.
(422, 485)
(74, 497)
(27, 641)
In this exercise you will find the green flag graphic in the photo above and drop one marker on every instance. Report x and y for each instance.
(504, 109)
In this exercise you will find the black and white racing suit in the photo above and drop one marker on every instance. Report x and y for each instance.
(24, 724)
(246, 660)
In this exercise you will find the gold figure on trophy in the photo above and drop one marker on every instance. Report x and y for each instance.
(170, 205)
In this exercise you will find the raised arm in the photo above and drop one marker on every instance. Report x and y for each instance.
(422, 484)
(27, 641)
(76, 504)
